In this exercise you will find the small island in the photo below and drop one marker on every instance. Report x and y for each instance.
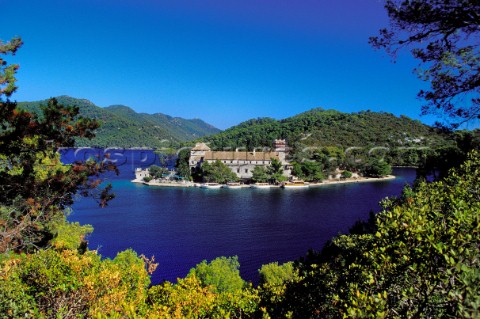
(202, 167)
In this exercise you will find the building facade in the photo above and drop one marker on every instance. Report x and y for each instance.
(241, 162)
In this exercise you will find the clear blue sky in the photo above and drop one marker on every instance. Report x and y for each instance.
(224, 61)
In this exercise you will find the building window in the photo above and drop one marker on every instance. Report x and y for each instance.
(246, 170)
(238, 170)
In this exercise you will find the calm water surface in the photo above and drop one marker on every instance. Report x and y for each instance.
(183, 226)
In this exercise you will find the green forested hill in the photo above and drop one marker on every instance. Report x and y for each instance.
(319, 127)
(123, 127)
(180, 128)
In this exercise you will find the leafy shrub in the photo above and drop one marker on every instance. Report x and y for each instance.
(422, 261)
(346, 174)
(222, 273)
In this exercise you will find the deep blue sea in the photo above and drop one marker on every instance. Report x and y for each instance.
(183, 226)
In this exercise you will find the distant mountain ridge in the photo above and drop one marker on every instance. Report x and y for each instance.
(123, 127)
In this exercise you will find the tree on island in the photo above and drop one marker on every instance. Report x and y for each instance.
(182, 166)
(260, 174)
(217, 172)
(275, 171)
(376, 167)
(310, 171)
(157, 172)
(444, 36)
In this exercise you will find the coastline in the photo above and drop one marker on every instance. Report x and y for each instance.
(323, 183)
(353, 180)
(165, 184)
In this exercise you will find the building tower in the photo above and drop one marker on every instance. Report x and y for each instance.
(280, 146)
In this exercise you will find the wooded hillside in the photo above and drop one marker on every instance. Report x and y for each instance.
(319, 127)
(123, 127)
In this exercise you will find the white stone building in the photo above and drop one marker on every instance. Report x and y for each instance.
(241, 162)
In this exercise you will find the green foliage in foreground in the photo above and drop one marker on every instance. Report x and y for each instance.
(422, 260)
(222, 273)
(36, 188)
(443, 36)
(66, 284)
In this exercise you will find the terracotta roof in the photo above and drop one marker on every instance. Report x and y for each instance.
(201, 147)
(241, 155)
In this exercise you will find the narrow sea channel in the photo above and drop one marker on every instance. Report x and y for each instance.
(183, 226)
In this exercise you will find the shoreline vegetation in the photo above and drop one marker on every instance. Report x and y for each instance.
(323, 183)
(418, 257)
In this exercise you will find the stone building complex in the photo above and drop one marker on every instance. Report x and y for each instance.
(241, 162)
